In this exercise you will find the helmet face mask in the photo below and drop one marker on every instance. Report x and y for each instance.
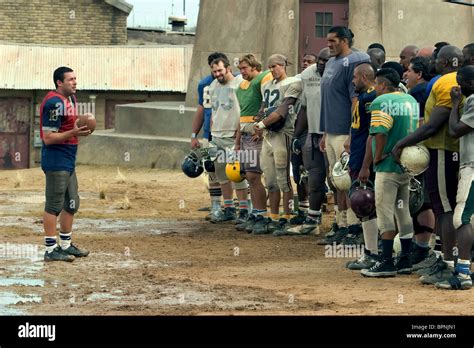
(340, 173)
(192, 165)
(416, 196)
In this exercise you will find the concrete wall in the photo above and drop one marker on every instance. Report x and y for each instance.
(153, 37)
(398, 23)
(109, 148)
(155, 118)
(239, 27)
(85, 22)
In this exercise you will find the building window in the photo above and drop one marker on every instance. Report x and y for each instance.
(323, 23)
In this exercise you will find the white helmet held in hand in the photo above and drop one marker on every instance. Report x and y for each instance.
(415, 159)
(340, 173)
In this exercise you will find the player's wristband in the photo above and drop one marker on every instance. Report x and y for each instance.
(193, 136)
(261, 125)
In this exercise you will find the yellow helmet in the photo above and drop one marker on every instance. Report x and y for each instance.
(234, 172)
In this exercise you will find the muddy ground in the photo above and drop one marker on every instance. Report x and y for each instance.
(152, 253)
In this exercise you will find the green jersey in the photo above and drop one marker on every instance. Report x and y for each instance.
(249, 95)
(395, 115)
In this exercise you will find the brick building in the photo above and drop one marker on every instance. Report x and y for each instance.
(72, 22)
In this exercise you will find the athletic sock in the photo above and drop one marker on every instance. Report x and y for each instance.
(50, 243)
(463, 267)
(337, 216)
(450, 263)
(406, 242)
(438, 244)
(65, 240)
(304, 206)
(216, 194)
(343, 218)
(228, 203)
(422, 244)
(243, 205)
(371, 235)
(387, 248)
(314, 214)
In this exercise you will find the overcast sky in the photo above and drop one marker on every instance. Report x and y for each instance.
(155, 13)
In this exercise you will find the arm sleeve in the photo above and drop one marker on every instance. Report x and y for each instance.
(284, 107)
(380, 121)
(53, 113)
(200, 93)
(442, 93)
(294, 90)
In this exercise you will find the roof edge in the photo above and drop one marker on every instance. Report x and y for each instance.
(121, 5)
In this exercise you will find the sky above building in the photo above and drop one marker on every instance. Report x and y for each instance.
(155, 13)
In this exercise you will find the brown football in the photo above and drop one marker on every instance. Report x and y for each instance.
(87, 120)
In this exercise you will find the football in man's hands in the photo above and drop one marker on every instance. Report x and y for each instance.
(88, 120)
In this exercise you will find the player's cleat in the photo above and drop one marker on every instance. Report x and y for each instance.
(58, 254)
(262, 225)
(440, 274)
(228, 215)
(456, 282)
(279, 229)
(366, 261)
(334, 228)
(293, 230)
(381, 269)
(75, 251)
(243, 216)
(418, 254)
(353, 232)
(311, 226)
(299, 218)
(249, 221)
(339, 235)
(403, 264)
(431, 263)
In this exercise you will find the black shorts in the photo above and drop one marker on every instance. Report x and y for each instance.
(61, 192)
(441, 180)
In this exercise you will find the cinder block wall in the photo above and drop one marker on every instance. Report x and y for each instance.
(68, 22)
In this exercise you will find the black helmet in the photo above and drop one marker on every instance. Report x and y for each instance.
(362, 198)
(192, 166)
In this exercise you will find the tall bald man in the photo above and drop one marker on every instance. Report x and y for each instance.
(406, 55)
(337, 100)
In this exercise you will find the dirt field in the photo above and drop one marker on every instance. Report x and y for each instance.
(152, 253)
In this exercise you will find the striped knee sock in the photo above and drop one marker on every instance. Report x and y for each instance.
(50, 243)
(216, 194)
(304, 206)
(65, 240)
(314, 214)
(228, 203)
(463, 267)
(243, 205)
